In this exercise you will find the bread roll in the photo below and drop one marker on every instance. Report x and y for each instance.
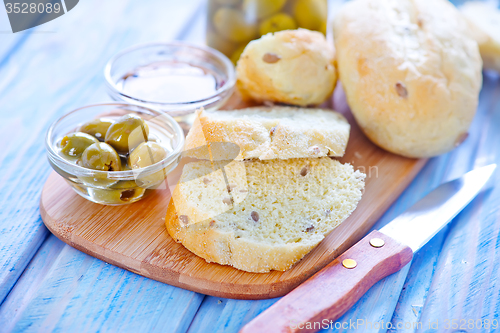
(267, 216)
(268, 133)
(484, 18)
(411, 74)
(291, 66)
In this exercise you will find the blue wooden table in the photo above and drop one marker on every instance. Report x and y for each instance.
(45, 285)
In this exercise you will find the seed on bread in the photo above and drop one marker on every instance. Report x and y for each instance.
(255, 216)
(420, 22)
(271, 58)
(184, 219)
(271, 132)
(315, 149)
(401, 90)
(310, 228)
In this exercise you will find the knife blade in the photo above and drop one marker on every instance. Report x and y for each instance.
(330, 292)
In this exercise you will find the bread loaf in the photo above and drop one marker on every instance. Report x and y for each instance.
(267, 215)
(270, 133)
(410, 73)
(292, 66)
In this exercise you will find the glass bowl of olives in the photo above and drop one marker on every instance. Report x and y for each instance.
(173, 77)
(114, 153)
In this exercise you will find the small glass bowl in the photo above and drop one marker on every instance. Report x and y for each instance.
(115, 187)
(127, 63)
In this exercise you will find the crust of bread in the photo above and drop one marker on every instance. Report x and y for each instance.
(302, 72)
(268, 133)
(223, 248)
(226, 233)
(411, 74)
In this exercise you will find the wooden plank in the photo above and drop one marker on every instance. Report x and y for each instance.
(48, 76)
(95, 94)
(77, 81)
(464, 286)
(417, 285)
(32, 277)
(381, 302)
(378, 303)
(436, 173)
(63, 289)
(227, 315)
(11, 43)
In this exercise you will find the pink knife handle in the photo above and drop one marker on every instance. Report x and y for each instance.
(332, 291)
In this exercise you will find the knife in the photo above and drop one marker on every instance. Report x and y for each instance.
(329, 293)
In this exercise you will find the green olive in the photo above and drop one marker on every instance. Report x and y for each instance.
(73, 144)
(232, 25)
(323, 27)
(228, 2)
(100, 156)
(147, 153)
(220, 43)
(117, 197)
(276, 23)
(262, 8)
(97, 181)
(311, 14)
(127, 133)
(236, 54)
(124, 184)
(97, 127)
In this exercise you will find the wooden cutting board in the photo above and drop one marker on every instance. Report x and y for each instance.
(134, 236)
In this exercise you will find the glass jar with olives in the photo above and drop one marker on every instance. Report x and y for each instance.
(231, 24)
(114, 153)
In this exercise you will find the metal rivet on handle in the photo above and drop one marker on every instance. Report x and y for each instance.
(349, 263)
(377, 242)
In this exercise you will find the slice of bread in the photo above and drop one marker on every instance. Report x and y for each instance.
(259, 216)
(267, 133)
